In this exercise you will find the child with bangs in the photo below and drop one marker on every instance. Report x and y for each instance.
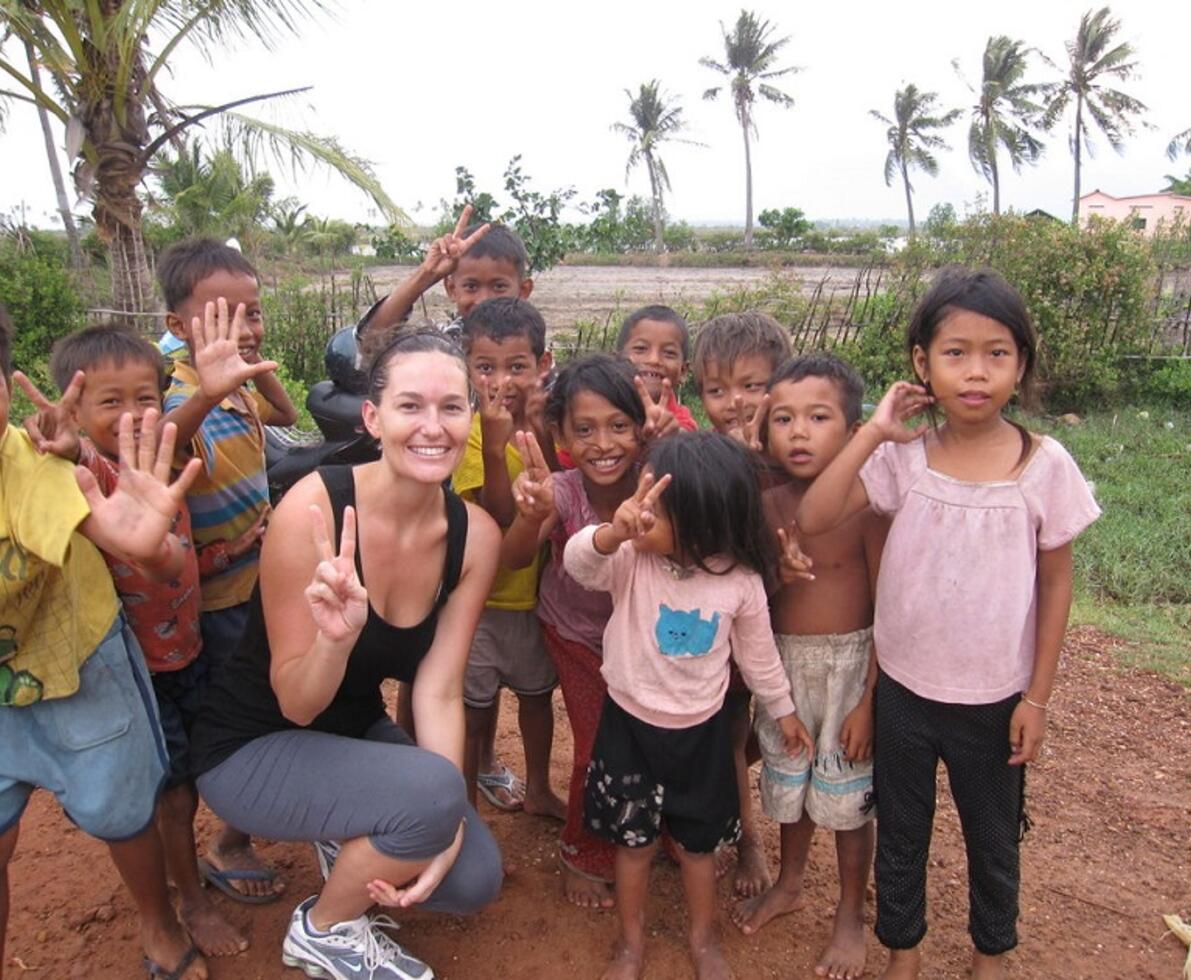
(684, 558)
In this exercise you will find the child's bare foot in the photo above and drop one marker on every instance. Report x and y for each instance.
(845, 954)
(708, 957)
(626, 962)
(167, 949)
(904, 964)
(545, 804)
(228, 863)
(752, 868)
(751, 914)
(211, 932)
(987, 967)
(585, 892)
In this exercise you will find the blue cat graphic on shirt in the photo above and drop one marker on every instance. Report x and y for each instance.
(682, 633)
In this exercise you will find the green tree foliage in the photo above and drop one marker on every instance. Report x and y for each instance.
(784, 228)
(750, 66)
(654, 119)
(1178, 185)
(1005, 112)
(1094, 64)
(44, 304)
(1180, 144)
(912, 135)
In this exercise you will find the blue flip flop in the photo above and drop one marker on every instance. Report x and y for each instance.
(222, 879)
(159, 972)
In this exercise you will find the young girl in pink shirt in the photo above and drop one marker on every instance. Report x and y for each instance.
(683, 559)
(972, 600)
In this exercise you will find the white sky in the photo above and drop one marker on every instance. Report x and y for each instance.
(421, 88)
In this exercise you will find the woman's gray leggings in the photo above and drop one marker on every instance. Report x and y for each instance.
(304, 785)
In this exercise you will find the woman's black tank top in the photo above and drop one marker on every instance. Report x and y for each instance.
(240, 703)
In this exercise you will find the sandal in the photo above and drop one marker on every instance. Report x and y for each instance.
(223, 878)
(159, 972)
(505, 779)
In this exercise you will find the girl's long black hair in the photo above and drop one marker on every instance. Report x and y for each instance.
(713, 501)
(602, 374)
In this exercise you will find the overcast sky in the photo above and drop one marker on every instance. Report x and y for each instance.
(421, 88)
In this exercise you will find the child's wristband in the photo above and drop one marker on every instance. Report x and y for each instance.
(1033, 704)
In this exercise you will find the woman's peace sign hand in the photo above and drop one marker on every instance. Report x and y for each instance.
(533, 490)
(443, 255)
(659, 420)
(338, 601)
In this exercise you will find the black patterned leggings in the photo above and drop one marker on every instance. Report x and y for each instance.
(911, 735)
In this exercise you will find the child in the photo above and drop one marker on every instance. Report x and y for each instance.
(474, 263)
(656, 340)
(124, 373)
(735, 357)
(75, 714)
(683, 559)
(213, 302)
(974, 593)
(505, 343)
(596, 414)
(824, 632)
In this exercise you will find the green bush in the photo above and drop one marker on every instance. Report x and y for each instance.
(41, 299)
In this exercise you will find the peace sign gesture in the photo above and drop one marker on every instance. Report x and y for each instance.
(635, 517)
(220, 367)
(496, 419)
(338, 601)
(793, 563)
(443, 255)
(659, 420)
(533, 490)
(749, 431)
(54, 428)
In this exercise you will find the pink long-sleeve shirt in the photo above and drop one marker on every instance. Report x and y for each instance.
(667, 643)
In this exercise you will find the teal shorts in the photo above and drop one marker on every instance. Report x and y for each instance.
(99, 751)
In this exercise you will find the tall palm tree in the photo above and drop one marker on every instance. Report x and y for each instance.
(655, 119)
(912, 135)
(104, 58)
(1094, 62)
(750, 57)
(1180, 144)
(1004, 112)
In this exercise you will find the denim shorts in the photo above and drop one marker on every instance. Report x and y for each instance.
(99, 751)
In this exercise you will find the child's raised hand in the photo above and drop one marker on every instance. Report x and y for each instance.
(54, 427)
(659, 420)
(901, 403)
(1027, 732)
(443, 255)
(793, 562)
(496, 421)
(533, 489)
(135, 519)
(797, 738)
(748, 432)
(218, 362)
(856, 733)
(635, 516)
(338, 601)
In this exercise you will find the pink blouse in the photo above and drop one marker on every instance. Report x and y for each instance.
(957, 591)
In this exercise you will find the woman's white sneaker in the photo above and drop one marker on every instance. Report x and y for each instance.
(355, 950)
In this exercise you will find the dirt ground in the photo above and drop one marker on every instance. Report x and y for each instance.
(1111, 805)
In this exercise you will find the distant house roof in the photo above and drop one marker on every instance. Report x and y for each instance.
(1137, 197)
(1039, 213)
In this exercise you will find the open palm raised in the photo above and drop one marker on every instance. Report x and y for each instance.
(220, 366)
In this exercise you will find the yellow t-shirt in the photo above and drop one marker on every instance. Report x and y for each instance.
(57, 601)
(514, 589)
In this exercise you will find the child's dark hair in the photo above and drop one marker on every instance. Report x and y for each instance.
(988, 293)
(187, 263)
(6, 332)
(662, 314)
(105, 343)
(602, 374)
(409, 340)
(839, 372)
(713, 501)
(501, 243)
(726, 338)
(504, 317)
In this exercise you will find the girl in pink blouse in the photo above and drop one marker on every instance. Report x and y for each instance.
(972, 600)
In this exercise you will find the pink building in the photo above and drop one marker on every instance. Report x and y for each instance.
(1143, 210)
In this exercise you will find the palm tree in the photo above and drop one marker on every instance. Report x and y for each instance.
(655, 119)
(1180, 144)
(104, 58)
(911, 136)
(750, 55)
(1003, 113)
(1093, 61)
